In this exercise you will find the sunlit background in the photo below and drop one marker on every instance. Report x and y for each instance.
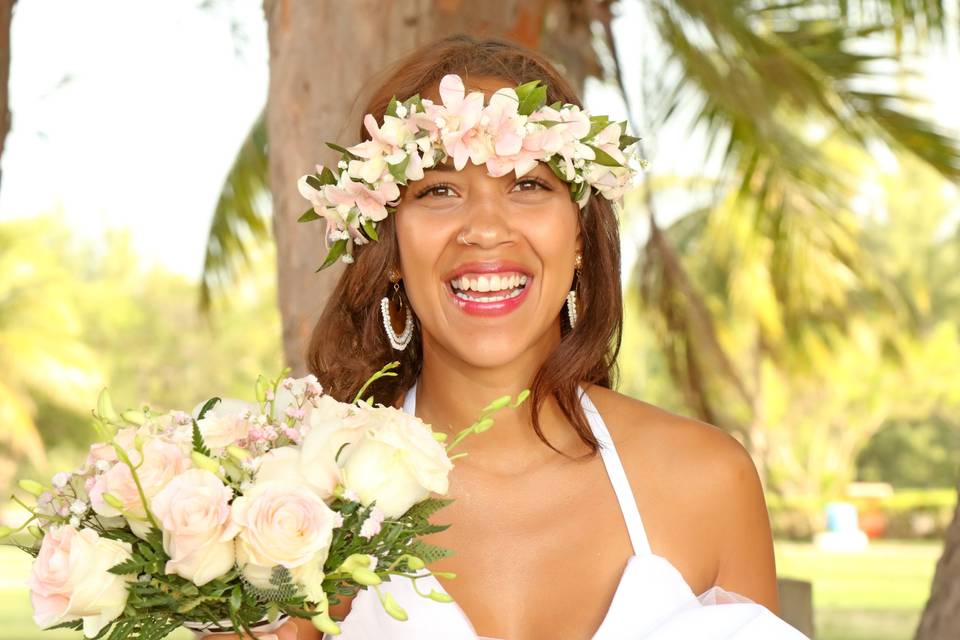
(800, 286)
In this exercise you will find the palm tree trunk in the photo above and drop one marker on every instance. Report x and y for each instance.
(941, 616)
(321, 54)
(6, 18)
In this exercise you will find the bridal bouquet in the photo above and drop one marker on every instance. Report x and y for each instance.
(239, 515)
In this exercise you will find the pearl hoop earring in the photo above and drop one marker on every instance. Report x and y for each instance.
(398, 342)
(572, 295)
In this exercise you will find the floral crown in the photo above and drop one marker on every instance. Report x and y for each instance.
(513, 132)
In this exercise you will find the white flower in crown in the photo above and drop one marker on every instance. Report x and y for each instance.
(513, 132)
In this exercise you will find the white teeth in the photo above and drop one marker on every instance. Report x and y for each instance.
(512, 294)
(489, 283)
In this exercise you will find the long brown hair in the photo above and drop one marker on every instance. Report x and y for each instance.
(349, 342)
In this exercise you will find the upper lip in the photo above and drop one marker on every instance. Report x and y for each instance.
(487, 266)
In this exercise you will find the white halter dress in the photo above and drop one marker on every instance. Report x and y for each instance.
(651, 602)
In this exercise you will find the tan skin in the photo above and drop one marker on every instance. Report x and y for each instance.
(540, 539)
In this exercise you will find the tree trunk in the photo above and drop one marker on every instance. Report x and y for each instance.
(941, 616)
(321, 54)
(6, 18)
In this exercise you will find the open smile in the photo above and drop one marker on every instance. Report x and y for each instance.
(488, 289)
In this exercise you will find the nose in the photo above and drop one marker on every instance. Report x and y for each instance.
(487, 224)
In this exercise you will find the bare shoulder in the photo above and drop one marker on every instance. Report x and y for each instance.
(690, 477)
(683, 448)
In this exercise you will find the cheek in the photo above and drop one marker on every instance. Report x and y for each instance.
(420, 243)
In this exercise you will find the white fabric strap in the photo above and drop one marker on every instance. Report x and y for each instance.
(618, 477)
(410, 401)
(608, 452)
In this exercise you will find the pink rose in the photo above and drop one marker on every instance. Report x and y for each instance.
(226, 423)
(70, 579)
(104, 450)
(159, 463)
(194, 513)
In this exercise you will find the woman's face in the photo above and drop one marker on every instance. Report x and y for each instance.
(496, 293)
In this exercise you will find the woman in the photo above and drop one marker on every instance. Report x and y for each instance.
(554, 536)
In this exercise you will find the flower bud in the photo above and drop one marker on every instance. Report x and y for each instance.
(134, 417)
(138, 441)
(497, 404)
(355, 561)
(365, 577)
(437, 596)
(438, 436)
(261, 389)
(521, 397)
(35, 531)
(445, 574)
(238, 453)
(413, 562)
(394, 609)
(483, 425)
(325, 623)
(205, 462)
(5, 531)
(31, 486)
(105, 407)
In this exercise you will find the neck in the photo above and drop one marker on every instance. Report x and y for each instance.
(451, 393)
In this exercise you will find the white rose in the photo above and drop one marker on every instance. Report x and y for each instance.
(69, 579)
(194, 513)
(331, 424)
(283, 524)
(396, 463)
(282, 465)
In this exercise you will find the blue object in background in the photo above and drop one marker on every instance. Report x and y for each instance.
(842, 517)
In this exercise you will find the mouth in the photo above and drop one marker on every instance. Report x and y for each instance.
(488, 289)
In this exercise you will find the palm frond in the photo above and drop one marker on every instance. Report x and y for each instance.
(241, 221)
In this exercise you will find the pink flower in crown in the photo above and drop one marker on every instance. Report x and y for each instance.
(608, 140)
(506, 131)
(564, 138)
(459, 122)
(371, 201)
(387, 144)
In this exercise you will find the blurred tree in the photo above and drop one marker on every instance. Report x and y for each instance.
(42, 351)
(6, 17)
(924, 454)
(76, 316)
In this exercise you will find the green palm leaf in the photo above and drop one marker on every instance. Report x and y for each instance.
(241, 220)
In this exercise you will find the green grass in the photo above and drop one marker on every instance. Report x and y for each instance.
(877, 594)
(874, 595)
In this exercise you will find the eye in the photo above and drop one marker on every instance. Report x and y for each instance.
(441, 190)
(530, 184)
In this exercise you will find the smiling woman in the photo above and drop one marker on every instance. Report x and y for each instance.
(348, 341)
(496, 272)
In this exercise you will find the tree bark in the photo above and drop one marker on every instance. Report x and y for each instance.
(321, 55)
(941, 616)
(6, 18)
